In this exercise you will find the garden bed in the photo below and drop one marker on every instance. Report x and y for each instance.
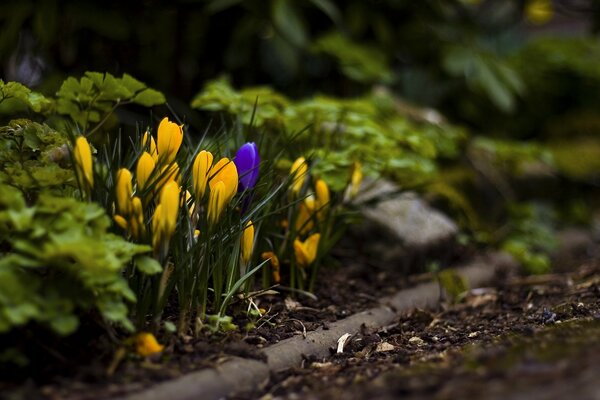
(419, 350)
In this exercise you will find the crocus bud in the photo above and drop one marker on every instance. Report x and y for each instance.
(306, 252)
(216, 202)
(323, 198)
(123, 192)
(247, 242)
(145, 166)
(151, 146)
(82, 155)
(298, 174)
(247, 161)
(170, 136)
(200, 173)
(356, 179)
(304, 218)
(169, 199)
(225, 171)
(164, 219)
(137, 218)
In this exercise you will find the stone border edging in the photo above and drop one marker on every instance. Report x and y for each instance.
(238, 374)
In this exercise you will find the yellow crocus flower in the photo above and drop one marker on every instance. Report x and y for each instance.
(123, 192)
(216, 202)
(137, 218)
(355, 179)
(323, 197)
(164, 219)
(170, 136)
(151, 146)
(146, 344)
(200, 173)
(82, 155)
(225, 171)
(145, 166)
(304, 219)
(298, 174)
(119, 220)
(247, 242)
(306, 251)
(169, 199)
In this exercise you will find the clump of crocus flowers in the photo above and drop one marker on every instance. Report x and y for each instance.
(197, 214)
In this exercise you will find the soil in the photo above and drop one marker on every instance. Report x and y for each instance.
(496, 341)
(526, 338)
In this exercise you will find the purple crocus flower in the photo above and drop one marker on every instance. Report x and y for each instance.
(247, 161)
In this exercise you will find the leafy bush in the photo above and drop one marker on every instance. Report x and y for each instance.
(339, 132)
(58, 262)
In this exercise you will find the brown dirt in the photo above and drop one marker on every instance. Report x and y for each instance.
(530, 337)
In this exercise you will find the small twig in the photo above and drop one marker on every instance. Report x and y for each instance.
(303, 327)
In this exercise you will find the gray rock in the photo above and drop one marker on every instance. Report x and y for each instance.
(400, 225)
(405, 215)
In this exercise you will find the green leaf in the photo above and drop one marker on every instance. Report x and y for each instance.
(149, 98)
(147, 265)
(287, 21)
(64, 324)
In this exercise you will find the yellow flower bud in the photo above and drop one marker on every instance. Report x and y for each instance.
(169, 200)
(306, 252)
(298, 173)
(356, 179)
(151, 147)
(82, 155)
(119, 220)
(123, 192)
(247, 242)
(146, 344)
(200, 173)
(323, 197)
(304, 219)
(170, 136)
(216, 202)
(137, 218)
(164, 219)
(145, 166)
(225, 171)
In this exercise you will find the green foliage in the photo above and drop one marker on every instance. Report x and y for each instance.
(34, 157)
(485, 73)
(532, 236)
(96, 95)
(359, 62)
(510, 156)
(15, 97)
(339, 132)
(453, 283)
(57, 262)
(577, 158)
(563, 88)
